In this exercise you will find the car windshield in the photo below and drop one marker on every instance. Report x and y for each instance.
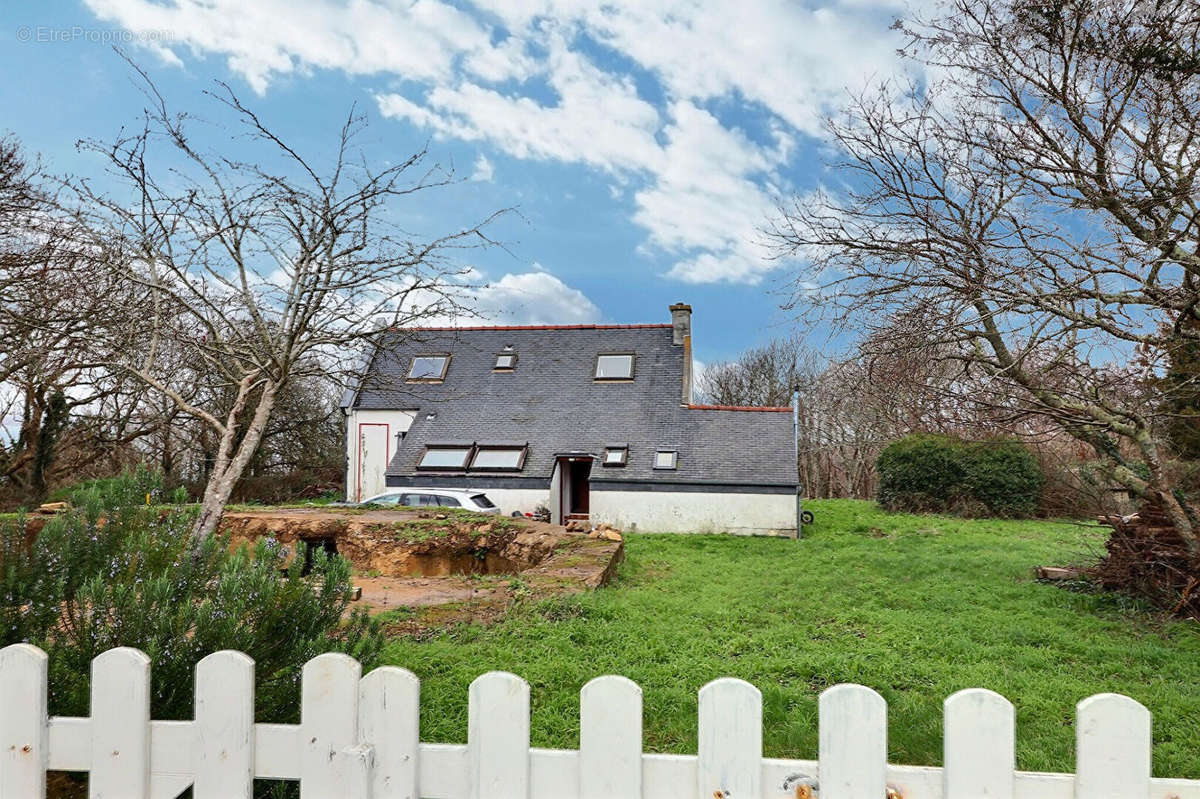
(383, 499)
(482, 501)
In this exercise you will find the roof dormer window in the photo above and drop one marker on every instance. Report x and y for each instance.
(428, 368)
(505, 362)
(614, 366)
(616, 455)
(499, 458)
(445, 457)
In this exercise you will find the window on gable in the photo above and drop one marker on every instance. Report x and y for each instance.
(505, 362)
(615, 366)
(445, 458)
(616, 455)
(429, 368)
(666, 459)
(492, 458)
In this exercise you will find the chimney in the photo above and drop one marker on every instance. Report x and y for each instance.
(681, 335)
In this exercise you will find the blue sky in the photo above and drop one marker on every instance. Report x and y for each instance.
(643, 144)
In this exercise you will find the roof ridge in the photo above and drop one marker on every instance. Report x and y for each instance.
(531, 327)
(761, 408)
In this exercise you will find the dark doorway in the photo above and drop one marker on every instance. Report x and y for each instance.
(328, 545)
(573, 491)
(580, 471)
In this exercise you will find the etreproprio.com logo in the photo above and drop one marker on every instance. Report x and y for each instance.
(78, 33)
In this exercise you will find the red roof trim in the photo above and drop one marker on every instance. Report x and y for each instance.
(536, 327)
(762, 408)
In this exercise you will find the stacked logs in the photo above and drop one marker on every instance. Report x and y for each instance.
(1146, 557)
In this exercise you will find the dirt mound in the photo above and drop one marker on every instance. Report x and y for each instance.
(406, 543)
(438, 567)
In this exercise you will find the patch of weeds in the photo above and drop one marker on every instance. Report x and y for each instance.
(401, 613)
(418, 530)
(561, 609)
(518, 589)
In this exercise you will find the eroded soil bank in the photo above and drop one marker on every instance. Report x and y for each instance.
(406, 543)
(450, 565)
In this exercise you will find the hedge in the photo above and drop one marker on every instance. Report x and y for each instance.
(923, 473)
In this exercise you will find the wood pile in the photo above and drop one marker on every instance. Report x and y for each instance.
(1146, 556)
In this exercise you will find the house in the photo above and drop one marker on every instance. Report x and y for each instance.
(594, 422)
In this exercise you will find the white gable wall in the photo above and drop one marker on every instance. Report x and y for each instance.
(695, 512)
(371, 438)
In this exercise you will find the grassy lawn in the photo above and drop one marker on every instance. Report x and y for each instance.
(916, 607)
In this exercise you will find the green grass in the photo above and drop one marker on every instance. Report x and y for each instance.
(916, 607)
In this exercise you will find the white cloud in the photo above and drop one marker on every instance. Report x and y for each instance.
(516, 298)
(534, 298)
(599, 119)
(698, 369)
(713, 178)
(792, 57)
(269, 39)
(515, 76)
(484, 171)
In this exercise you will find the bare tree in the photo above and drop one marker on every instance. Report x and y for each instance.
(261, 272)
(51, 377)
(1033, 209)
(766, 375)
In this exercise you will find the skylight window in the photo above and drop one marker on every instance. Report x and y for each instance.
(616, 455)
(666, 459)
(615, 366)
(508, 459)
(506, 362)
(445, 458)
(430, 368)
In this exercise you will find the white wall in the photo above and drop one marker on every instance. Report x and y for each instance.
(366, 462)
(695, 512)
(524, 500)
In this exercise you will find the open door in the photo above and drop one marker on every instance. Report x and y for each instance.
(574, 472)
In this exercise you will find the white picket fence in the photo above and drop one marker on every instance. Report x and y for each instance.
(358, 738)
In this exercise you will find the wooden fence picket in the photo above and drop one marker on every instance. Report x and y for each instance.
(223, 757)
(1112, 748)
(24, 745)
(729, 754)
(498, 737)
(389, 718)
(120, 726)
(351, 770)
(328, 724)
(610, 739)
(852, 730)
(979, 746)
(359, 738)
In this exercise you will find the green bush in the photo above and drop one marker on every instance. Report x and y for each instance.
(139, 486)
(925, 473)
(110, 573)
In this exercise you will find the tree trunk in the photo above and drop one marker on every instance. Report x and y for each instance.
(227, 470)
(1131, 428)
(54, 421)
(1162, 490)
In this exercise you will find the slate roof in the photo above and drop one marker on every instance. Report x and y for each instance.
(552, 402)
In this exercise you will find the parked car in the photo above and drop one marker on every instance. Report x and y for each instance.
(429, 498)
